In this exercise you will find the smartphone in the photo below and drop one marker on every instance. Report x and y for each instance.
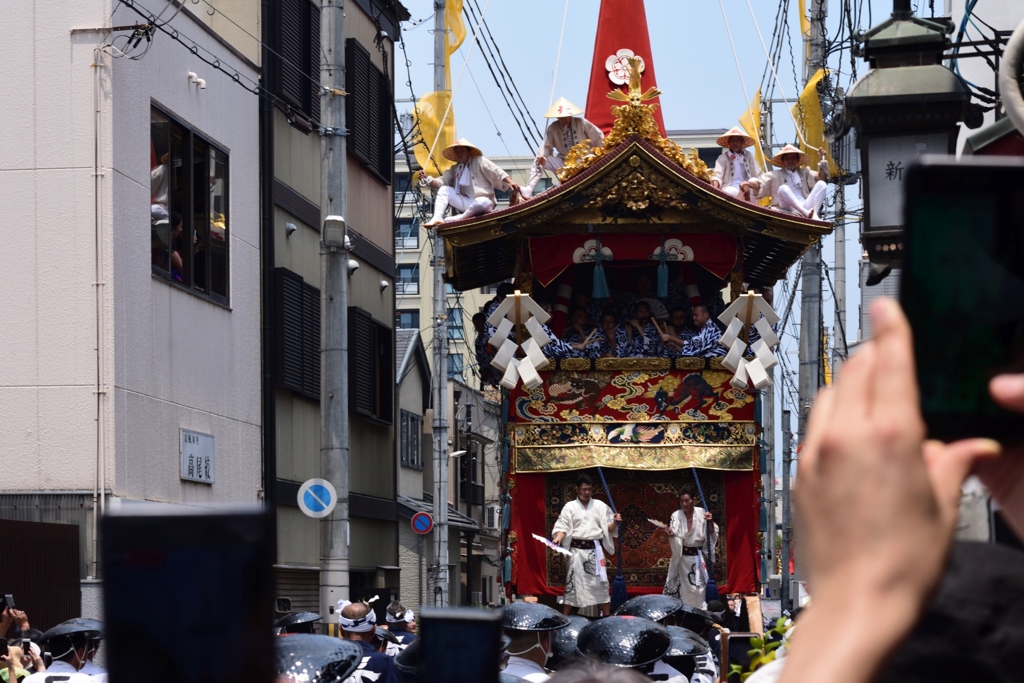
(962, 289)
(460, 645)
(3, 647)
(178, 582)
(9, 601)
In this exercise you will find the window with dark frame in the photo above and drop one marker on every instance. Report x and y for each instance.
(411, 435)
(455, 367)
(407, 319)
(408, 280)
(455, 329)
(296, 67)
(369, 111)
(371, 367)
(189, 214)
(407, 234)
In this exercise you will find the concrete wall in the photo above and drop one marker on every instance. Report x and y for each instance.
(171, 360)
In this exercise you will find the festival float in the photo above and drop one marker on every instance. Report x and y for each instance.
(638, 203)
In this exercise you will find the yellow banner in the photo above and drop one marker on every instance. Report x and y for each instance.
(456, 29)
(805, 27)
(750, 121)
(429, 111)
(808, 116)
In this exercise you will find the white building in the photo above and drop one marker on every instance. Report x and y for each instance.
(131, 268)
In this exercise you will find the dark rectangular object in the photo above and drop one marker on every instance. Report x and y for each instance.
(963, 290)
(189, 597)
(297, 334)
(475, 634)
(44, 584)
(472, 494)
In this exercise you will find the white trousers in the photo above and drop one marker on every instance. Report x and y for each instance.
(447, 196)
(552, 164)
(788, 200)
(733, 190)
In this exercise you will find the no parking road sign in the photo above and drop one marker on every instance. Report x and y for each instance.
(317, 498)
(422, 523)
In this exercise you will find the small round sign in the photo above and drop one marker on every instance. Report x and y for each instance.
(422, 523)
(317, 498)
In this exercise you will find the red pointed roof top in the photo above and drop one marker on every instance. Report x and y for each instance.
(621, 25)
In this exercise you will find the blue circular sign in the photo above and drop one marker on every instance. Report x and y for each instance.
(317, 498)
(422, 523)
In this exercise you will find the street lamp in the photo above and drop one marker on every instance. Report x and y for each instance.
(906, 105)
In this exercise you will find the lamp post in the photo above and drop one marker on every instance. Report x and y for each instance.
(906, 105)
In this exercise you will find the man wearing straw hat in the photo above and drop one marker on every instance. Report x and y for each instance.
(567, 129)
(792, 186)
(736, 165)
(468, 186)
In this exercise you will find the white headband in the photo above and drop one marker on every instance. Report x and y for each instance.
(363, 624)
(406, 618)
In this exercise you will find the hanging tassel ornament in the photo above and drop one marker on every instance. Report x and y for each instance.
(662, 271)
(600, 285)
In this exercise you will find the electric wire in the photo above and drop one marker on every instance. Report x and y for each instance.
(558, 54)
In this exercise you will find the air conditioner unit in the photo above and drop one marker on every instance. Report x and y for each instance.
(492, 517)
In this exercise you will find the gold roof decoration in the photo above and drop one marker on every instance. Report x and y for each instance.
(632, 118)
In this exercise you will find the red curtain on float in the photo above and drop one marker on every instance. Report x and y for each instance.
(529, 569)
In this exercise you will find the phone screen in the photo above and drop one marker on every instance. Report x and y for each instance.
(188, 597)
(963, 291)
(460, 645)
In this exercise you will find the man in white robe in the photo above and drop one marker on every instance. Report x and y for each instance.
(468, 186)
(585, 527)
(792, 186)
(567, 130)
(687, 568)
(736, 165)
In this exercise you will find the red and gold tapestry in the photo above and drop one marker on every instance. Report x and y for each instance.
(651, 420)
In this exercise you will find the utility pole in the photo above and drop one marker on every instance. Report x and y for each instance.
(439, 590)
(787, 463)
(810, 299)
(334, 453)
(839, 277)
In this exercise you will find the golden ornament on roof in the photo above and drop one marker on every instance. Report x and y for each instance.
(632, 118)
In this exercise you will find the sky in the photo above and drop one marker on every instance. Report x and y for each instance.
(696, 72)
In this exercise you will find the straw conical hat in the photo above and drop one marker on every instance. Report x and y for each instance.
(735, 131)
(562, 107)
(449, 151)
(789, 149)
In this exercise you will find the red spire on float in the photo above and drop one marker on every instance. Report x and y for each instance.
(621, 32)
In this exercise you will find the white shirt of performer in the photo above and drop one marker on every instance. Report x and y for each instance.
(528, 670)
(584, 527)
(687, 570)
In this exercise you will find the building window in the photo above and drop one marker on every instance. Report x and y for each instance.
(188, 208)
(492, 289)
(408, 281)
(411, 440)
(371, 366)
(407, 234)
(296, 317)
(296, 66)
(402, 185)
(407, 319)
(455, 330)
(368, 112)
(455, 368)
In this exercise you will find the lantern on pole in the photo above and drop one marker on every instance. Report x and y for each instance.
(906, 105)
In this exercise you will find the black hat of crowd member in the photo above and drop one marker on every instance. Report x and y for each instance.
(563, 642)
(408, 660)
(66, 637)
(686, 647)
(653, 607)
(309, 658)
(697, 620)
(91, 624)
(297, 622)
(382, 635)
(532, 616)
(625, 641)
